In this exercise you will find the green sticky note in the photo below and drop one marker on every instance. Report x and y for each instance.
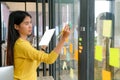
(80, 39)
(98, 53)
(114, 57)
(79, 43)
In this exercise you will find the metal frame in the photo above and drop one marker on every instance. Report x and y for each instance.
(44, 28)
(0, 37)
(112, 10)
(86, 33)
(59, 22)
(37, 29)
(25, 6)
(113, 30)
(51, 3)
(22, 0)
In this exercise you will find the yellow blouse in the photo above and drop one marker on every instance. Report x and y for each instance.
(27, 59)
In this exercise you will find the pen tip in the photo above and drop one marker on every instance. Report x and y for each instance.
(70, 25)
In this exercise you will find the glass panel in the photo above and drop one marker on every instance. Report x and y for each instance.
(4, 23)
(67, 12)
(117, 37)
(30, 7)
(4, 20)
(8, 7)
(101, 41)
(107, 51)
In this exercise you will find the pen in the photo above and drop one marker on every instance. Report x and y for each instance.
(70, 25)
(60, 33)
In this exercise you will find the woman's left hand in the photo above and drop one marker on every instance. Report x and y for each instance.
(43, 47)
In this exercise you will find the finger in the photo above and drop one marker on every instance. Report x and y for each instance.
(66, 27)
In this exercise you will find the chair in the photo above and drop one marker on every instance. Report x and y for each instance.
(6, 73)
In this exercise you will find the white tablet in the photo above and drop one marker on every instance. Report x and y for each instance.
(47, 37)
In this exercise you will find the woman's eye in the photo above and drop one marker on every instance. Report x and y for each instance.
(26, 23)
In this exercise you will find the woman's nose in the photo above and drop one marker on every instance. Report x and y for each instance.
(30, 25)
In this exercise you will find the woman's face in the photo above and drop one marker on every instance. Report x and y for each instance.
(25, 28)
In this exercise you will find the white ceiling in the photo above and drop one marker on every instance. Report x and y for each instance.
(30, 6)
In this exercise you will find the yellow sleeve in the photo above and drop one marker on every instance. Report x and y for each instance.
(25, 50)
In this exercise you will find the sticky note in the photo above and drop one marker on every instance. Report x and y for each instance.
(107, 28)
(68, 56)
(106, 75)
(64, 50)
(81, 47)
(80, 39)
(71, 48)
(98, 53)
(80, 43)
(71, 73)
(76, 55)
(114, 57)
(64, 65)
(80, 51)
(67, 39)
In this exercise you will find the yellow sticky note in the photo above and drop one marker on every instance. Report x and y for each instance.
(106, 75)
(71, 73)
(66, 40)
(76, 55)
(64, 50)
(114, 57)
(71, 48)
(98, 53)
(81, 47)
(107, 27)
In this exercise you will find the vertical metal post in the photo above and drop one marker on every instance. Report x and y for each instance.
(86, 39)
(49, 6)
(25, 6)
(0, 37)
(59, 22)
(37, 29)
(44, 28)
(53, 41)
(112, 10)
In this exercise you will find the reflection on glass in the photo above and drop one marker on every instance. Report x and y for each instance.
(107, 37)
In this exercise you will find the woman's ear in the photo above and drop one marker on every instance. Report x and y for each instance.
(16, 27)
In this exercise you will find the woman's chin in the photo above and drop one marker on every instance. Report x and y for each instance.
(30, 34)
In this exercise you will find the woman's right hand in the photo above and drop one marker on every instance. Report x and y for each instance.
(64, 36)
(66, 32)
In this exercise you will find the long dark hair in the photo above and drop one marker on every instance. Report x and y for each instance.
(15, 17)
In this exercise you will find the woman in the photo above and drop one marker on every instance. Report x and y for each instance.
(20, 52)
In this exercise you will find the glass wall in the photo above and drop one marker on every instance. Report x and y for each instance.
(67, 12)
(107, 41)
(8, 7)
